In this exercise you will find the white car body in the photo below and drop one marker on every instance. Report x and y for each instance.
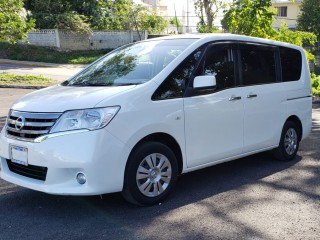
(209, 129)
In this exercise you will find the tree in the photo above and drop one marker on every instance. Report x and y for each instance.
(94, 11)
(175, 21)
(118, 15)
(299, 38)
(309, 19)
(207, 11)
(255, 17)
(98, 14)
(73, 22)
(84, 15)
(123, 15)
(57, 14)
(13, 23)
(250, 17)
(48, 14)
(153, 23)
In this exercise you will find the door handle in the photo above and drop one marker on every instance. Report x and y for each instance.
(251, 95)
(234, 98)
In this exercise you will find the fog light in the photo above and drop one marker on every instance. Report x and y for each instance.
(81, 178)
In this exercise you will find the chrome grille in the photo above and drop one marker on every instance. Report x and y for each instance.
(34, 124)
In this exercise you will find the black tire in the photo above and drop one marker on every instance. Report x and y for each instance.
(288, 146)
(158, 189)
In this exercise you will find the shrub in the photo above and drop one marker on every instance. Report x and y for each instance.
(315, 84)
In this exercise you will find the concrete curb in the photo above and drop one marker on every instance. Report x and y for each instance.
(40, 64)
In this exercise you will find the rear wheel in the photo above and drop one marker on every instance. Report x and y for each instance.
(150, 175)
(289, 142)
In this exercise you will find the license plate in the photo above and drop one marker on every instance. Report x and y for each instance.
(19, 155)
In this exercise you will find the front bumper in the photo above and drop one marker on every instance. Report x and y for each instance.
(98, 154)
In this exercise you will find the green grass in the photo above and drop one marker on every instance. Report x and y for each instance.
(27, 52)
(10, 79)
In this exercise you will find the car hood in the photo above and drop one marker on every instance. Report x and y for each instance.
(61, 98)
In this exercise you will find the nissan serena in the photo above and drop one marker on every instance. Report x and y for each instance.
(147, 112)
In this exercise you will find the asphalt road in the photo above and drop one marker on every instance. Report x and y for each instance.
(255, 197)
(59, 73)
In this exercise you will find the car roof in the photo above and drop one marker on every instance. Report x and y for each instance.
(208, 37)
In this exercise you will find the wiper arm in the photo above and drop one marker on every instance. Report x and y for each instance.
(88, 85)
(126, 84)
(101, 84)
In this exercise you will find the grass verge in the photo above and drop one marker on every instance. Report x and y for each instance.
(10, 79)
(25, 52)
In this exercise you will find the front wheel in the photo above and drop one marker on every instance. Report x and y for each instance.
(150, 175)
(289, 142)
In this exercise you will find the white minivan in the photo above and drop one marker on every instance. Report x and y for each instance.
(147, 112)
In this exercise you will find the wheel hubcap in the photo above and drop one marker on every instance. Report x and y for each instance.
(154, 175)
(290, 141)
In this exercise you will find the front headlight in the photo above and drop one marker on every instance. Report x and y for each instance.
(91, 119)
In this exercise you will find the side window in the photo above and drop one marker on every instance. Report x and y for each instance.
(291, 64)
(219, 62)
(173, 86)
(258, 64)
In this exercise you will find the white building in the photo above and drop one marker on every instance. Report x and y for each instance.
(287, 12)
(159, 6)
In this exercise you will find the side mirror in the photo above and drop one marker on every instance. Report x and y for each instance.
(204, 82)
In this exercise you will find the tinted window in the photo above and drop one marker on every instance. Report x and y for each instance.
(291, 62)
(258, 64)
(173, 86)
(218, 62)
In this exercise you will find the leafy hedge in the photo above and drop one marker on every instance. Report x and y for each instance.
(315, 83)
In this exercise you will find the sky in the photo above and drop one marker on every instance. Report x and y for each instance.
(185, 11)
(181, 7)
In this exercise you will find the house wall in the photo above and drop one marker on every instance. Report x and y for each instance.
(293, 11)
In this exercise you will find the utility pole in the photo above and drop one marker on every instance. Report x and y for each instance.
(187, 16)
(175, 14)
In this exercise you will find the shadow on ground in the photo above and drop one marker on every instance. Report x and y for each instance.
(112, 215)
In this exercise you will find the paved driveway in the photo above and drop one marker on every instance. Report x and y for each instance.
(59, 73)
(255, 197)
(8, 96)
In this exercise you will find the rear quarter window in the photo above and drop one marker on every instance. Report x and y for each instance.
(291, 64)
(258, 64)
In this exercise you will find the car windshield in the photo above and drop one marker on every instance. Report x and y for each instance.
(131, 65)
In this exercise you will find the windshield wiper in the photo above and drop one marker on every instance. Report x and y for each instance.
(100, 84)
(125, 84)
(88, 85)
